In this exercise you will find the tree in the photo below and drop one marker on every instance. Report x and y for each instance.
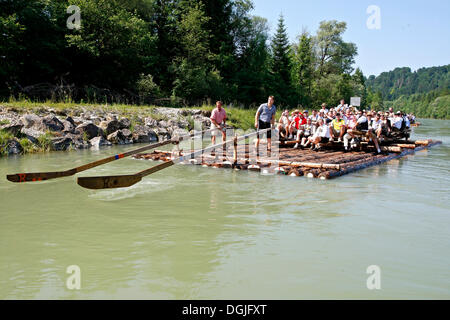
(196, 77)
(252, 75)
(303, 68)
(334, 55)
(281, 64)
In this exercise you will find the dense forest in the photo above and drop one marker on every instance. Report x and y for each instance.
(425, 92)
(180, 52)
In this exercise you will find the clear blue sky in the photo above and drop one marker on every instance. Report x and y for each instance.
(413, 33)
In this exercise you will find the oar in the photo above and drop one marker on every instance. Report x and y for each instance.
(40, 176)
(123, 181)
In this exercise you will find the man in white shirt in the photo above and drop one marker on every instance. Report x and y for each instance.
(397, 121)
(340, 108)
(322, 134)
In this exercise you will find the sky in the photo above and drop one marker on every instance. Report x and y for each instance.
(412, 33)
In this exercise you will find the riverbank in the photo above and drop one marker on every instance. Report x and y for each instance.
(27, 127)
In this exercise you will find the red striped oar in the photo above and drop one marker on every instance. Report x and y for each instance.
(123, 181)
(40, 176)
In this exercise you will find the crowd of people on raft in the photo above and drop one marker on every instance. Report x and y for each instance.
(343, 123)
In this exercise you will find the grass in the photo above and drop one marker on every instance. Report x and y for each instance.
(4, 138)
(237, 117)
(4, 121)
(28, 146)
(45, 141)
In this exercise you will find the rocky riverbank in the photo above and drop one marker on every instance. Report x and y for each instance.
(24, 130)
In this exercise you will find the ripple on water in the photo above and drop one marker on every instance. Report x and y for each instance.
(146, 186)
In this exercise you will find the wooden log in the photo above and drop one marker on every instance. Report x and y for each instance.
(254, 167)
(295, 173)
(393, 149)
(280, 170)
(423, 142)
(314, 173)
(406, 146)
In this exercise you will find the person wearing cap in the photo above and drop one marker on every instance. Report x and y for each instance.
(337, 128)
(265, 119)
(218, 119)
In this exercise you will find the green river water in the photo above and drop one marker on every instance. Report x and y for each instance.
(189, 232)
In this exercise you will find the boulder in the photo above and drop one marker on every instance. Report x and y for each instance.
(90, 129)
(13, 128)
(163, 134)
(32, 134)
(68, 126)
(31, 121)
(124, 123)
(98, 142)
(110, 126)
(163, 124)
(69, 140)
(150, 122)
(143, 134)
(52, 123)
(121, 137)
(61, 143)
(13, 147)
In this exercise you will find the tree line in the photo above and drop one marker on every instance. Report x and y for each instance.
(425, 92)
(176, 52)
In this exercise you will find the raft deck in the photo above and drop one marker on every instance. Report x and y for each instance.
(330, 162)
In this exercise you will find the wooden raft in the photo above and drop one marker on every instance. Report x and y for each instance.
(325, 164)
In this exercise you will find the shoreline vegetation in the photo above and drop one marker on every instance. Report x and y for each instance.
(31, 127)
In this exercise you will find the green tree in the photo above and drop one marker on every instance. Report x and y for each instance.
(196, 77)
(334, 55)
(281, 64)
(303, 68)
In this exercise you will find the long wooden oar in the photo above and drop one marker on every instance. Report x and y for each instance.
(123, 181)
(40, 176)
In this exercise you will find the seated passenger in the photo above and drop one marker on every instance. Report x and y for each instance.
(337, 128)
(296, 121)
(322, 134)
(396, 122)
(304, 133)
(283, 124)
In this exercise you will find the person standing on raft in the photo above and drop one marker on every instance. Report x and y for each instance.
(264, 119)
(218, 118)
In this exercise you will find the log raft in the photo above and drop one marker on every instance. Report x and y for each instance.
(331, 162)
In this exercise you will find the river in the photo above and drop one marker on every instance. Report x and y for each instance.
(189, 232)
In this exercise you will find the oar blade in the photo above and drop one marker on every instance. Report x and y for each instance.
(110, 182)
(39, 176)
